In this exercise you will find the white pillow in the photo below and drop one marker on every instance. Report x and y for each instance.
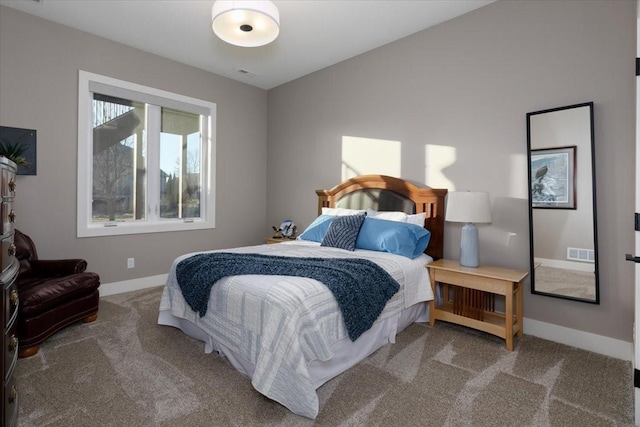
(417, 219)
(389, 216)
(341, 211)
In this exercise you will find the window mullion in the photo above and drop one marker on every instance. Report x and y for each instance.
(153, 161)
(204, 164)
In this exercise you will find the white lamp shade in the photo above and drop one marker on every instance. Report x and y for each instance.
(468, 207)
(245, 23)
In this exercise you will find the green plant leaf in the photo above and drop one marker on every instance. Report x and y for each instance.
(13, 152)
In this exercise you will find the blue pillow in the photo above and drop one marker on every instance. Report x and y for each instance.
(316, 231)
(343, 231)
(398, 238)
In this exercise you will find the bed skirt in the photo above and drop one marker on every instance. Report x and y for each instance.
(346, 353)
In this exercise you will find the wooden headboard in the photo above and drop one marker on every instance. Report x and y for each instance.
(374, 188)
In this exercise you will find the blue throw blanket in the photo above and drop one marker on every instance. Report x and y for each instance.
(361, 287)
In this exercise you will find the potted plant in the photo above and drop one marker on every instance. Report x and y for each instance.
(13, 152)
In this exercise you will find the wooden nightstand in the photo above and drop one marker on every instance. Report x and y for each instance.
(271, 240)
(469, 301)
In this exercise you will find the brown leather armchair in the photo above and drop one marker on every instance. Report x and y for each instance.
(53, 294)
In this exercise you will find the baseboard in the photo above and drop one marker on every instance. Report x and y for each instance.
(584, 340)
(132, 285)
(567, 265)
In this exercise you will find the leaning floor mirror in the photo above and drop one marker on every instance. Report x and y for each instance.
(562, 203)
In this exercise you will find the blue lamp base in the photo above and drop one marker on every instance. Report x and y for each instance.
(469, 246)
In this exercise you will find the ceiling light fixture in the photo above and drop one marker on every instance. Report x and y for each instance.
(245, 23)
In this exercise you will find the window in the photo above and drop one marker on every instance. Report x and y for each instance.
(145, 159)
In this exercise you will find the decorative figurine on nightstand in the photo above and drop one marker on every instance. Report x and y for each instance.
(287, 230)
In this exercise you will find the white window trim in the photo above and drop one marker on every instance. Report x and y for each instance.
(85, 228)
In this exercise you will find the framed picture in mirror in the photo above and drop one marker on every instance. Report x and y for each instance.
(553, 177)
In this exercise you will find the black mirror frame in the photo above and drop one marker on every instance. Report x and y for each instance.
(595, 216)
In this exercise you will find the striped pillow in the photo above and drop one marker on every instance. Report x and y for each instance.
(343, 232)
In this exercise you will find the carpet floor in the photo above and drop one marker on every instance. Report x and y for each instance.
(125, 370)
(571, 283)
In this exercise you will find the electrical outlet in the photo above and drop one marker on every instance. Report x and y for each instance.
(131, 262)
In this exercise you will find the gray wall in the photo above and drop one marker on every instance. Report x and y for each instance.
(39, 63)
(467, 84)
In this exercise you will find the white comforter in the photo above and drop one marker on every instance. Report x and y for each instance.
(280, 324)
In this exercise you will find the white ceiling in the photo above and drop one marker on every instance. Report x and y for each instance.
(314, 34)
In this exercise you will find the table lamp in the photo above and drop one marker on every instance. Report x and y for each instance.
(468, 207)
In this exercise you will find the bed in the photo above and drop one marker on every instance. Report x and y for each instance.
(290, 334)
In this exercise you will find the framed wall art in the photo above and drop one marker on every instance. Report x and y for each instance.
(553, 175)
(22, 142)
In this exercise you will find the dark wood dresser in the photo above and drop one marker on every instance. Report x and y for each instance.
(10, 301)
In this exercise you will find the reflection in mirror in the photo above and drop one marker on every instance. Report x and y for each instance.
(562, 203)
